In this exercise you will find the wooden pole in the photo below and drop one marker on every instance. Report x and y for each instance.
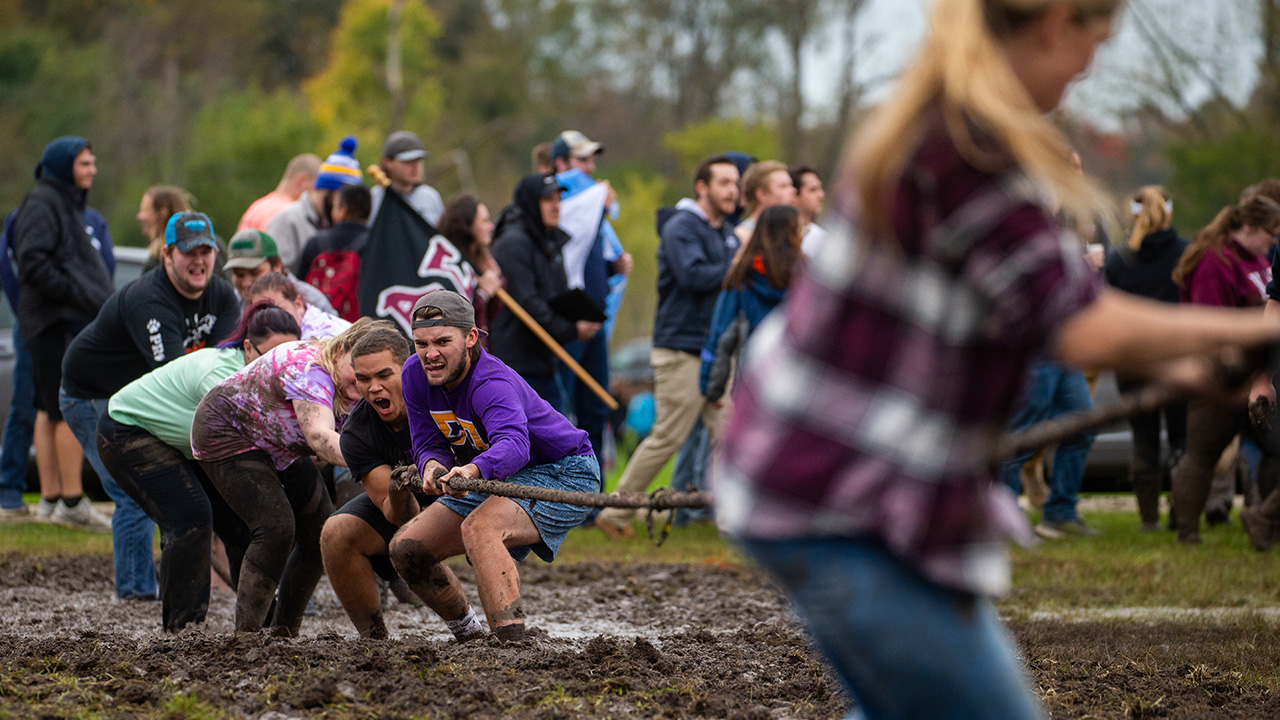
(559, 351)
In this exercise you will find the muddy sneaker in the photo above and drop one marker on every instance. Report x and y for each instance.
(22, 512)
(616, 532)
(44, 510)
(1258, 527)
(81, 516)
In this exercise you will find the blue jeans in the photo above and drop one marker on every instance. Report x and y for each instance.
(19, 429)
(132, 532)
(1052, 390)
(905, 647)
(690, 472)
(589, 412)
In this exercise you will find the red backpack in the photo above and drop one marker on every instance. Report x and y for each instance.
(336, 273)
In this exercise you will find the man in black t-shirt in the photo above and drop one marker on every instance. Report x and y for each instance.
(375, 439)
(171, 310)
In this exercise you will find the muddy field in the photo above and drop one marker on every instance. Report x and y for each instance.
(638, 641)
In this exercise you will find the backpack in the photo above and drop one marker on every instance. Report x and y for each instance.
(336, 273)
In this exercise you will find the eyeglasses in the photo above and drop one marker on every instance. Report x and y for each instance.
(255, 347)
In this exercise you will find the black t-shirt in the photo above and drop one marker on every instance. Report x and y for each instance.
(142, 326)
(368, 443)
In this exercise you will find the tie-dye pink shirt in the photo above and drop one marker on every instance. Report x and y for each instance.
(253, 409)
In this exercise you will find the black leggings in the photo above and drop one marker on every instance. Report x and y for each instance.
(176, 494)
(285, 511)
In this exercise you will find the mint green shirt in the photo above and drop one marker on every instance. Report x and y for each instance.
(163, 402)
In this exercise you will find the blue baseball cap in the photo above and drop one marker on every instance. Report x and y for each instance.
(189, 229)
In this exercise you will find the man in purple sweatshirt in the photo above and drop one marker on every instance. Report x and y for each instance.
(471, 416)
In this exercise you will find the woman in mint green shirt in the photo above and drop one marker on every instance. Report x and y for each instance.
(145, 441)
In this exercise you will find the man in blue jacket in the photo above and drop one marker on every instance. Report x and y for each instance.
(696, 250)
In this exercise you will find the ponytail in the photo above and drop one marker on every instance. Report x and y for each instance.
(1256, 212)
(1152, 210)
(962, 68)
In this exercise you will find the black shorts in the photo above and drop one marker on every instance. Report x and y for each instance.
(47, 349)
(362, 507)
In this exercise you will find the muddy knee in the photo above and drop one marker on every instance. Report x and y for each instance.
(413, 560)
(338, 537)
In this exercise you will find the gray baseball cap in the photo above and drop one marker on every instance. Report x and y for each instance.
(404, 146)
(455, 310)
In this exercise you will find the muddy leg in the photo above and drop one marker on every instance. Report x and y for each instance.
(417, 553)
(347, 543)
(251, 488)
(496, 525)
(311, 506)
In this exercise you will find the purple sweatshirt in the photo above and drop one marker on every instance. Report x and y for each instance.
(493, 419)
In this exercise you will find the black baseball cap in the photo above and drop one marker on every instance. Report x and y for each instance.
(455, 310)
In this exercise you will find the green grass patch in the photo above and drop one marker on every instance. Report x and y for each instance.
(1126, 567)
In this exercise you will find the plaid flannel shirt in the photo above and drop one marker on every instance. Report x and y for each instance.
(870, 405)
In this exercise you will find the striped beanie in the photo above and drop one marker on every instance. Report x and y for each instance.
(340, 168)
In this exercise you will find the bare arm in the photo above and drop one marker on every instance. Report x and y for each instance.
(317, 424)
(397, 505)
(1139, 336)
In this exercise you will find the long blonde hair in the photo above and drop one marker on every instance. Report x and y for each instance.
(1154, 212)
(1256, 212)
(337, 347)
(962, 69)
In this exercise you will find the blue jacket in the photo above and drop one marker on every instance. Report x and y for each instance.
(693, 258)
(755, 300)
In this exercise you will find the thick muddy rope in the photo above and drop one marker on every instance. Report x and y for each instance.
(662, 499)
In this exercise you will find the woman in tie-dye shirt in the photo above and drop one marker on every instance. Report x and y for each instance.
(253, 434)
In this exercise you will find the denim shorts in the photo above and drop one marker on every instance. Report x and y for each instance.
(579, 473)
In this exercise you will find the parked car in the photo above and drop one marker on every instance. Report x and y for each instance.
(129, 262)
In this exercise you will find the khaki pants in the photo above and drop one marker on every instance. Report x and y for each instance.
(679, 403)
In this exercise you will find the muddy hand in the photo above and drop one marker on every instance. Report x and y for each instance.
(465, 471)
(405, 478)
(1261, 412)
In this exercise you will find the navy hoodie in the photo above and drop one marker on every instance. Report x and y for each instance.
(61, 275)
(693, 258)
(1149, 271)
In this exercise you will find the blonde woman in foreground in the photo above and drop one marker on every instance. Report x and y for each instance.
(856, 464)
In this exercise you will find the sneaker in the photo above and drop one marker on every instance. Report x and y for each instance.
(1070, 528)
(1079, 529)
(1258, 527)
(81, 516)
(22, 512)
(1049, 531)
(44, 511)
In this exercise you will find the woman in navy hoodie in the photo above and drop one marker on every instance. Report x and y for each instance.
(1144, 266)
(755, 284)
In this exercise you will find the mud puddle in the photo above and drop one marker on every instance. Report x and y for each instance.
(607, 640)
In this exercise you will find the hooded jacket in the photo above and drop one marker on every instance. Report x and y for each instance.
(529, 254)
(1149, 271)
(752, 302)
(61, 275)
(693, 258)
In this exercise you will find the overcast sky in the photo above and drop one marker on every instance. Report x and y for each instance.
(1221, 36)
